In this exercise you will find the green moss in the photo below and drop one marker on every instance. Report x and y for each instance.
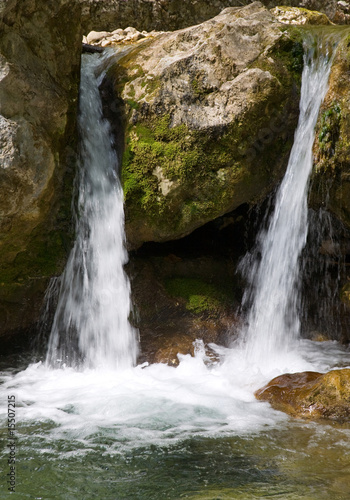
(200, 297)
(288, 57)
(329, 130)
(157, 146)
(132, 104)
(198, 87)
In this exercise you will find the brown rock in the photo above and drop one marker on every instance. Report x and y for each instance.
(310, 395)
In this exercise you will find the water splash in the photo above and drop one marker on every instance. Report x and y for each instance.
(273, 323)
(91, 326)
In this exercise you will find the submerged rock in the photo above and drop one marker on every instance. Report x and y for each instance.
(310, 395)
(211, 112)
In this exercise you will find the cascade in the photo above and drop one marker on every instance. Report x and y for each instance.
(91, 326)
(155, 431)
(272, 270)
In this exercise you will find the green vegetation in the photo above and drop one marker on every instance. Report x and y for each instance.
(288, 57)
(200, 297)
(329, 130)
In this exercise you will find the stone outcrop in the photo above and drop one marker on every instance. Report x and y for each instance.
(300, 17)
(150, 14)
(337, 11)
(310, 395)
(330, 183)
(172, 15)
(119, 36)
(180, 296)
(331, 176)
(211, 112)
(40, 46)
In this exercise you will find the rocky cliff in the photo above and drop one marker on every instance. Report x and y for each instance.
(40, 46)
(166, 15)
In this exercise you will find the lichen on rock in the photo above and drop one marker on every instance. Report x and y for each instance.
(300, 16)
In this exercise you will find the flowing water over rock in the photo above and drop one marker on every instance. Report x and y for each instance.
(273, 323)
(91, 325)
(111, 430)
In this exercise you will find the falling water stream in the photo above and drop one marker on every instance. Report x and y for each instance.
(274, 316)
(90, 424)
(91, 326)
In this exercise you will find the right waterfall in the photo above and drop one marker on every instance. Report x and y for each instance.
(272, 271)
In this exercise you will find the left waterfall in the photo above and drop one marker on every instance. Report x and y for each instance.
(91, 325)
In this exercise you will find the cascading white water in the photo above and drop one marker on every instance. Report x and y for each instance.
(273, 323)
(91, 326)
(194, 431)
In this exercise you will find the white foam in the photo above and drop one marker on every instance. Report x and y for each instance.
(157, 404)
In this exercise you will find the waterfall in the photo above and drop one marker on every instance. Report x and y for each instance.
(273, 297)
(91, 326)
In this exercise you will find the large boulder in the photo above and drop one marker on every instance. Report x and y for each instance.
(40, 47)
(211, 112)
(310, 395)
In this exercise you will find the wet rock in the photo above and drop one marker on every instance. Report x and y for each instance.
(330, 181)
(310, 395)
(179, 298)
(332, 140)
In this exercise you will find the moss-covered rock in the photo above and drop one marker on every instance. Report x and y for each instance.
(300, 16)
(210, 117)
(310, 395)
(331, 175)
(187, 290)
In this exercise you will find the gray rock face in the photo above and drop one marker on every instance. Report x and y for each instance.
(172, 14)
(40, 48)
